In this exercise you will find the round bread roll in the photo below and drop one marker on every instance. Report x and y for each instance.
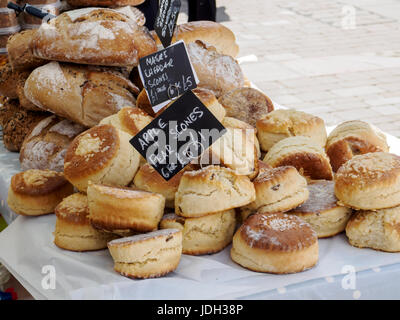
(93, 36)
(147, 255)
(101, 154)
(321, 210)
(73, 229)
(353, 138)
(123, 210)
(46, 145)
(246, 104)
(369, 182)
(378, 230)
(211, 190)
(210, 32)
(303, 154)
(216, 72)
(128, 119)
(37, 192)
(281, 124)
(277, 190)
(275, 243)
(104, 3)
(148, 179)
(203, 235)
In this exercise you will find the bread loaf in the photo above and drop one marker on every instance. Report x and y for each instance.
(82, 94)
(93, 36)
(47, 143)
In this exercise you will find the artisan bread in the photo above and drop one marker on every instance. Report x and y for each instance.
(82, 94)
(302, 153)
(369, 182)
(203, 235)
(101, 154)
(46, 145)
(275, 243)
(93, 36)
(20, 90)
(217, 72)
(352, 138)
(37, 192)
(148, 255)
(246, 104)
(281, 124)
(210, 32)
(379, 230)
(212, 189)
(8, 80)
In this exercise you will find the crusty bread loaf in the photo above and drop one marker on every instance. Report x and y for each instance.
(217, 72)
(104, 3)
(20, 52)
(8, 80)
(93, 36)
(20, 90)
(210, 32)
(82, 94)
(47, 143)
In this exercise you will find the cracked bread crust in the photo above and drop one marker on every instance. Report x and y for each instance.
(275, 243)
(203, 235)
(148, 255)
(303, 154)
(369, 182)
(353, 138)
(212, 189)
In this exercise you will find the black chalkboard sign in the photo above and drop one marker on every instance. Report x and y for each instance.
(167, 16)
(167, 74)
(178, 136)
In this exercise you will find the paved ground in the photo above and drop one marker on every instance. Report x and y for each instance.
(336, 59)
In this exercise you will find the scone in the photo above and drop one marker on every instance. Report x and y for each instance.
(275, 243)
(277, 190)
(101, 154)
(246, 104)
(379, 230)
(369, 182)
(124, 210)
(321, 210)
(148, 179)
(128, 119)
(212, 189)
(302, 153)
(203, 235)
(281, 124)
(353, 138)
(73, 229)
(37, 192)
(148, 255)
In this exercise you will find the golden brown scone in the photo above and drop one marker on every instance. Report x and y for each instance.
(148, 255)
(246, 104)
(210, 32)
(379, 230)
(37, 192)
(101, 154)
(129, 119)
(73, 229)
(20, 52)
(83, 94)
(302, 153)
(321, 210)
(148, 179)
(275, 243)
(104, 3)
(281, 124)
(123, 210)
(277, 190)
(216, 72)
(369, 182)
(212, 189)
(203, 235)
(93, 36)
(353, 138)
